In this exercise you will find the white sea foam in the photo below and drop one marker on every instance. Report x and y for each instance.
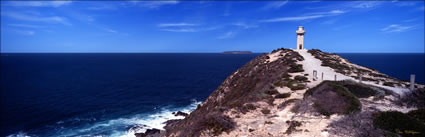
(19, 134)
(138, 123)
(158, 120)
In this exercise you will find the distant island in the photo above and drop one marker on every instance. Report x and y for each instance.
(237, 52)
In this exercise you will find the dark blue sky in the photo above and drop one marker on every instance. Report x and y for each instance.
(182, 26)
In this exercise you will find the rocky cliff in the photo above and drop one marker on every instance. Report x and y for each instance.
(277, 94)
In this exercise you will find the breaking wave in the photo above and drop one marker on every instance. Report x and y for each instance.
(121, 127)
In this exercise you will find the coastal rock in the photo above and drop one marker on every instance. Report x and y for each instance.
(171, 123)
(137, 128)
(179, 113)
(149, 133)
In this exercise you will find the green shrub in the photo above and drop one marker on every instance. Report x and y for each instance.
(246, 108)
(378, 75)
(301, 78)
(354, 102)
(415, 98)
(298, 86)
(287, 102)
(218, 124)
(294, 68)
(270, 101)
(419, 114)
(345, 101)
(295, 108)
(283, 95)
(399, 123)
(236, 104)
(359, 90)
(268, 122)
(390, 134)
(286, 75)
(279, 49)
(292, 126)
(271, 92)
(265, 111)
(294, 84)
(309, 92)
(290, 83)
(250, 106)
(279, 84)
(390, 84)
(322, 110)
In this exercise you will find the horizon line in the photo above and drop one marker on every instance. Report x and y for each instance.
(193, 52)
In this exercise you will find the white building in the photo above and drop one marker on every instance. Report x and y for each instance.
(300, 38)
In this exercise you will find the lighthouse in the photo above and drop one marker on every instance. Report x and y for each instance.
(300, 38)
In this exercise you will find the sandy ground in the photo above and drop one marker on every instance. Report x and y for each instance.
(275, 56)
(310, 63)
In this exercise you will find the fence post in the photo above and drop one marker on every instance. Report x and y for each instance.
(360, 77)
(412, 82)
(335, 77)
(322, 75)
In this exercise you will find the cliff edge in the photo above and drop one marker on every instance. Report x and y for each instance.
(306, 93)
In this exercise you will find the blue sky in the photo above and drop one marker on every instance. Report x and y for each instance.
(210, 26)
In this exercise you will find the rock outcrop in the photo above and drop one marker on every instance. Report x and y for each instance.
(179, 113)
(149, 133)
(272, 95)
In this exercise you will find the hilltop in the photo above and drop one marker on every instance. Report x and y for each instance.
(276, 94)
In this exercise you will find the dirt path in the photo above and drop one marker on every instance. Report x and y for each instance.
(311, 63)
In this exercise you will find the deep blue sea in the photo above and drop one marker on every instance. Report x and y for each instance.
(115, 94)
(104, 94)
(398, 65)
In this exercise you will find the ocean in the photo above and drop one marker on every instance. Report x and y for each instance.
(104, 94)
(398, 65)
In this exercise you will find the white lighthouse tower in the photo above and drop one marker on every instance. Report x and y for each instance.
(300, 38)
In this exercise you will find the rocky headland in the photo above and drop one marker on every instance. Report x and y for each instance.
(277, 94)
